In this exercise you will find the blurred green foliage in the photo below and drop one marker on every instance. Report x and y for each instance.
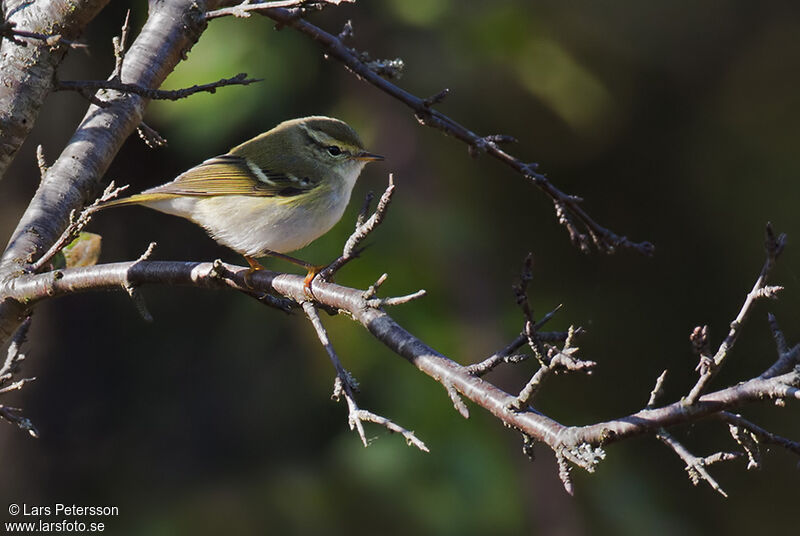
(676, 121)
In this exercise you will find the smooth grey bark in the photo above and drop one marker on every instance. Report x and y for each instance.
(28, 71)
(172, 27)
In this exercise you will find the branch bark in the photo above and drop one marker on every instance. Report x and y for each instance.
(172, 27)
(585, 234)
(28, 71)
(580, 445)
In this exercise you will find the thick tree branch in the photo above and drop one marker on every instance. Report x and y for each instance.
(27, 71)
(578, 444)
(173, 26)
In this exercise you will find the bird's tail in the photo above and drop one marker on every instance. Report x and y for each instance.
(137, 199)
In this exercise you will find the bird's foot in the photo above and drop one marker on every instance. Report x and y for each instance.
(254, 267)
(313, 272)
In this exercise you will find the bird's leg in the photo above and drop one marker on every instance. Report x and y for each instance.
(312, 269)
(254, 267)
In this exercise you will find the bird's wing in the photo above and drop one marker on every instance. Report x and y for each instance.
(234, 175)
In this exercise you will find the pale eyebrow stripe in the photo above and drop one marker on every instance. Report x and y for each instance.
(324, 140)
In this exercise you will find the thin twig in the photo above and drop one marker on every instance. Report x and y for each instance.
(361, 232)
(556, 360)
(708, 368)
(75, 226)
(696, 467)
(763, 435)
(564, 469)
(12, 415)
(345, 385)
(398, 300)
(14, 357)
(657, 391)
(41, 162)
(602, 238)
(372, 291)
(150, 136)
(120, 43)
(521, 294)
(244, 9)
(8, 30)
(455, 398)
(506, 355)
(86, 86)
(787, 357)
(14, 353)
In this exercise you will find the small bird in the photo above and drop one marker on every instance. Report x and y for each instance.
(272, 194)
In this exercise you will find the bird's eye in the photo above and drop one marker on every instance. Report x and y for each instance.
(333, 150)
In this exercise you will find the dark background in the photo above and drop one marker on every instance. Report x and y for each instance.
(676, 121)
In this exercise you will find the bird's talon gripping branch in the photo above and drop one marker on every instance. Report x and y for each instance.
(255, 266)
(313, 272)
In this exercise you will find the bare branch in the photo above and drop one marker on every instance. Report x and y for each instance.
(347, 30)
(408, 435)
(244, 9)
(556, 360)
(398, 300)
(344, 385)
(14, 357)
(8, 30)
(506, 355)
(455, 398)
(14, 353)
(76, 225)
(119, 47)
(577, 443)
(28, 70)
(696, 467)
(602, 238)
(372, 291)
(85, 87)
(171, 29)
(362, 231)
(708, 367)
(150, 136)
(564, 469)
(788, 358)
(763, 436)
(41, 162)
(657, 390)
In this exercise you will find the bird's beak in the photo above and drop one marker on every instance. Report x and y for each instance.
(368, 157)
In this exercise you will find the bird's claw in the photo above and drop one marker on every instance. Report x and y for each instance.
(254, 267)
(313, 272)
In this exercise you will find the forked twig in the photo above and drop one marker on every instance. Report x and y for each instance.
(709, 366)
(695, 466)
(361, 232)
(14, 357)
(344, 385)
(76, 225)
